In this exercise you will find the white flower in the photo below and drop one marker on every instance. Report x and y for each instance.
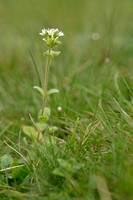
(53, 33)
(59, 109)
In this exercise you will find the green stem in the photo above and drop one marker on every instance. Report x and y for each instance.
(46, 82)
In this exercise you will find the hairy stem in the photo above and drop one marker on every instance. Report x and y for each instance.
(46, 83)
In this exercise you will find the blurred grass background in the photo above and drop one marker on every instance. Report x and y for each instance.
(88, 73)
(82, 61)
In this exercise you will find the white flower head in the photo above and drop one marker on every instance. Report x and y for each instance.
(52, 33)
(51, 38)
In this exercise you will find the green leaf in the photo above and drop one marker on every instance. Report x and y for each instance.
(30, 131)
(70, 165)
(19, 173)
(46, 112)
(52, 129)
(45, 116)
(6, 161)
(51, 54)
(42, 119)
(59, 172)
(52, 91)
(41, 125)
(49, 139)
(56, 53)
(15, 162)
(40, 90)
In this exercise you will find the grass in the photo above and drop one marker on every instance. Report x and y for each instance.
(93, 159)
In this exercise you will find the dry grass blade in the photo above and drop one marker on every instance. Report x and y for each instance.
(9, 168)
(124, 114)
(17, 152)
(102, 188)
(1, 121)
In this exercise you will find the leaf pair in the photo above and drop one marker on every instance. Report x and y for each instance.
(52, 53)
(52, 91)
(67, 167)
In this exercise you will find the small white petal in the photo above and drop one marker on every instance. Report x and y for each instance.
(61, 33)
(56, 30)
(59, 109)
(44, 30)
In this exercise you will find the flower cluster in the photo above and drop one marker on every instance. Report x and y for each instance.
(50, 36)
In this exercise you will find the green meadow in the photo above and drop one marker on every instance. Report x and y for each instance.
(90, 156)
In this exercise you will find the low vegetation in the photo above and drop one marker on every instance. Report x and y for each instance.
(79, 146)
